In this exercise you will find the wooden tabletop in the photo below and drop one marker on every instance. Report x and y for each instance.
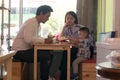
(60, 43)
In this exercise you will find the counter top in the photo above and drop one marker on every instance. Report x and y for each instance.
(5, 55)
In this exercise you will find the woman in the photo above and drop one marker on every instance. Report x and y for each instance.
(70, 30)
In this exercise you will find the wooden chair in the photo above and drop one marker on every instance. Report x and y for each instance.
(17, 70)
(88, 70)
(23, 70)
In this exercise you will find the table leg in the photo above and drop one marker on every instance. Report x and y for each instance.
(68, 64)
(9, 69)
(35, 64)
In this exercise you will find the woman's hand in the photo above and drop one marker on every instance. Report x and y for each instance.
(66, 24)
(72, 40)
(62, 33)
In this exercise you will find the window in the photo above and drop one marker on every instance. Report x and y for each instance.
(56, 21)
(14, 17)
(21, 10)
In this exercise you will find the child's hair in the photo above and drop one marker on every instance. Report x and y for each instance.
(85, 29)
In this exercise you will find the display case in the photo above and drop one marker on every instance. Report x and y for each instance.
(104, 49)
(5, 23)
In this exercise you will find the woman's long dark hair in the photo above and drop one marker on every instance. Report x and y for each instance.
(72, 14)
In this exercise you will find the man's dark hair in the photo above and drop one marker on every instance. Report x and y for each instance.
(44, 9)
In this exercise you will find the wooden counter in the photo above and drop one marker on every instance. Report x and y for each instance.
(6, 59)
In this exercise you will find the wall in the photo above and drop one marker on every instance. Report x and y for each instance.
(87, 15)
(104, 16)
(109, 15)
(116, 19)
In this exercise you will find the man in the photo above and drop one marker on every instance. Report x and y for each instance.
(29, 34)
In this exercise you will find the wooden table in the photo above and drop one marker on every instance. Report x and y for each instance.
(107, 70)
(59, 46)
(6, 59)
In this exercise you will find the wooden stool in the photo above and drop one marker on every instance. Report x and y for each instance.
(17, 70)
(21, 70)
(88, 70)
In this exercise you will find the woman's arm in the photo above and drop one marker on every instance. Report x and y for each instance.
(62, 33)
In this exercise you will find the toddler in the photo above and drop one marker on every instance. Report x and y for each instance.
(83, 50)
